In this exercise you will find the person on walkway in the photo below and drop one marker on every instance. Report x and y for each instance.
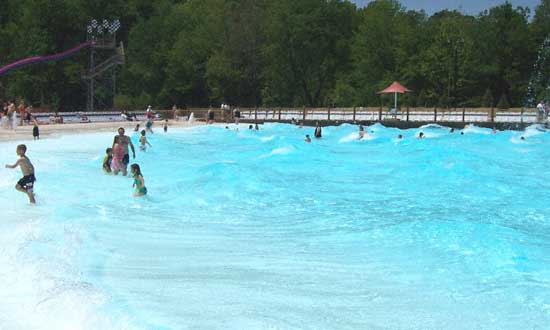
(21, 110)
(237, 114)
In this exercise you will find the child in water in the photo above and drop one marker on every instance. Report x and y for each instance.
(35, 131)
(116, 161)
(307, 139)
(143, 141)
(166, 126)
(139, 182)
(107, 160)
(361, 132)
(26, 183)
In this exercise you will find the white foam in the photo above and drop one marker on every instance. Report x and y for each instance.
(532, 130)
(39, 293)
(279, 151)
(476, 130)
(350, 137)
(267, 138)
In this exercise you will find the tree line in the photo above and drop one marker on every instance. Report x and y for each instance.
(280, 53)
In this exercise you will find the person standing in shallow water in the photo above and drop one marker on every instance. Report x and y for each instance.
(123, 142)
(26, 183)
(318, 132)
(139, 181)
(361, 132)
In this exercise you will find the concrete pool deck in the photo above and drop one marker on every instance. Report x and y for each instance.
(22, 133)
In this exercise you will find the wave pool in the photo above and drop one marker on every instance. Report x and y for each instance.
(259, 230)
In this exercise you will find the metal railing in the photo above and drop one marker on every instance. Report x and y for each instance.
(358, 114)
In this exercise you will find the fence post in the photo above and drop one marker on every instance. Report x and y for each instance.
(463, 114)
(380, 114)
(304, 114)
(255, 115)
(279, 114)
(493, 114)
(407, 113)
(353, 114)
(328, 115)
(521, 116)
(435, 114)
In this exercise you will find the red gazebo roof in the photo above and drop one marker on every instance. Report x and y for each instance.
(395, 87)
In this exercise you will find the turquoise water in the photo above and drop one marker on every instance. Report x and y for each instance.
(259, 230)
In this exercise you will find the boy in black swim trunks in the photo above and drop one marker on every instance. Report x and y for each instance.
(107, 160)
(26, 183)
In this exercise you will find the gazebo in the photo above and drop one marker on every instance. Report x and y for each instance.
(395, 88)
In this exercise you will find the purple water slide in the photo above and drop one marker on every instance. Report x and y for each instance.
(39, 59)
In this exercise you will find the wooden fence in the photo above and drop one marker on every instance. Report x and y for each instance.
(359, 114)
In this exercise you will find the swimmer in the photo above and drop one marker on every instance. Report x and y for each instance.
(107, 160)
(522, 138)
(143, 141)
(452, 130)
(117, 163)
(26, 183)
(307, 139)
(256, 127)
(400, 136)
(301, 125)
(123, 142)
(318, 132)
(361, 132)
(139, 182)
(494, 131)
(250, 126)
(166, 126)
(149, 126)
(421, 135)
(137, 128)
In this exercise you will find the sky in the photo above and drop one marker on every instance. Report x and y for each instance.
(467, 6)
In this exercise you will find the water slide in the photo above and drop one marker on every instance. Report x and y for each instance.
(40, 59)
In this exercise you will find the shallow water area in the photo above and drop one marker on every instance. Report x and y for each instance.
(245, 229)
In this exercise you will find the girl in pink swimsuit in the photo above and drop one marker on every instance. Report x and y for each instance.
(116, 163)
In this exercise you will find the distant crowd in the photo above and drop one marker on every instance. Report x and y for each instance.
(10, 120)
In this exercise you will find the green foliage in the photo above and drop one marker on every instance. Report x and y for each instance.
(503, 102)
(487, 100)
(276, 52)
(123, 102)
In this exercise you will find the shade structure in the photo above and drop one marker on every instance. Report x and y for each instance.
(395, 88)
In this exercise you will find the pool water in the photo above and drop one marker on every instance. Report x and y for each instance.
(260, 230)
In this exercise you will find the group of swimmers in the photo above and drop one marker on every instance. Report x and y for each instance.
(117, 159)
(363, 133)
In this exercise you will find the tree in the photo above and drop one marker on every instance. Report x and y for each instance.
(487, 100)
(503, 102)
(307, 44)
